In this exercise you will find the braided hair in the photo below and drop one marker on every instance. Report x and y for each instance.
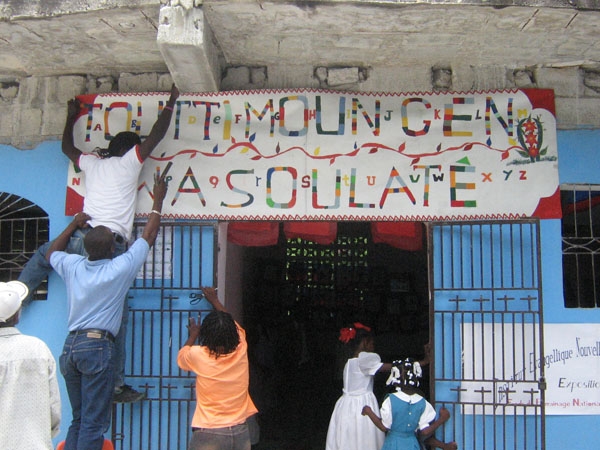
(219, 333)
(405, 373)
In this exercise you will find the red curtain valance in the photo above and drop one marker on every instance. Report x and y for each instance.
(320, 232)
(402, 235)
(253, 234)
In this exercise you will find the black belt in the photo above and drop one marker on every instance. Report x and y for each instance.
(94, 333)
(118, 238)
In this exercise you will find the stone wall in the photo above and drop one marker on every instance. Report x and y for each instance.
(33, 109)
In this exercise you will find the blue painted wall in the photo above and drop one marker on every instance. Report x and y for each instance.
(40, 176)
(579, 162)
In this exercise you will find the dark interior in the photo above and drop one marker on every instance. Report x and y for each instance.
(297, 296)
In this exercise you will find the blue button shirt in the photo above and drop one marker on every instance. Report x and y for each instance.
(96, 290)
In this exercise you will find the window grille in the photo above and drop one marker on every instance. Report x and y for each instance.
(581, 245)
(23, 228)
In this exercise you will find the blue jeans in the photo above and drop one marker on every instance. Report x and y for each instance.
(86, 364)
(227, 438)
(38, 268)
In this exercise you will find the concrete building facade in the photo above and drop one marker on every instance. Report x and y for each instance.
(52, 51)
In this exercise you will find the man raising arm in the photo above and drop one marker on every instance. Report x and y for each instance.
(96, 290)
(111, 179)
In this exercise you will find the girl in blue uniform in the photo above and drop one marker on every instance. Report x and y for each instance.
(405, 414)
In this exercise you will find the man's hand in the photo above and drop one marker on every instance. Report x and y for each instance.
(160, 188)
(73, 107)
(60, 243)
(81, 220)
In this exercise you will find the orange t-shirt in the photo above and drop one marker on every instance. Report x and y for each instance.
(222, 398)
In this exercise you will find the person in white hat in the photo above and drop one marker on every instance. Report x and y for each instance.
(30, 412)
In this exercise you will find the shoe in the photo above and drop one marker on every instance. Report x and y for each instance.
(126, 394)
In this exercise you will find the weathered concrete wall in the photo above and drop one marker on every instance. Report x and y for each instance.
(33, 109)
(52, 50)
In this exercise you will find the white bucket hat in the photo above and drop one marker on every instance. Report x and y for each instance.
(11, 296)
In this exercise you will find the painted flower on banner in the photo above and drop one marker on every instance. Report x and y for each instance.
(531, 137)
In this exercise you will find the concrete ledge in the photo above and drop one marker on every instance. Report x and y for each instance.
(186, 45)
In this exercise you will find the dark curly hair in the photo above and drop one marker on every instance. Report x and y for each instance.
(219, 333)
(122, 142)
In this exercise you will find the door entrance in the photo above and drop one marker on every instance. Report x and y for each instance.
(297, 296)
(484, 322)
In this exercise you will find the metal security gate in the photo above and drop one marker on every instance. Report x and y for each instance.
(486, 329)
(165, 294)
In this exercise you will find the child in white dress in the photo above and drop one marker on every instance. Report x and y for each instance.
(348, 428)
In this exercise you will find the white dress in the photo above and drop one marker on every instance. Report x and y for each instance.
(348, 428)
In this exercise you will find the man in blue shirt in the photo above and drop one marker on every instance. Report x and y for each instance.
(111, 178)
(96, 288)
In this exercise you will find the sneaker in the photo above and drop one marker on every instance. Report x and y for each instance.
(126, 394)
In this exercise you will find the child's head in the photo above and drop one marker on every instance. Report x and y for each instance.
(358, 337)
(219, 333)
(405, 373)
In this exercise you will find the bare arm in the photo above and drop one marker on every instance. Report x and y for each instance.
(427, 355)
(193, 327)
(386, 367)
(434, 442)
(68, 144)
(367, 411)
(443, 418)
(211, 295)
(151, 228)
(160, 127)
(61, 242)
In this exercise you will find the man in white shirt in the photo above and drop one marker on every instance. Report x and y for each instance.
(111, 179)
(30, 411)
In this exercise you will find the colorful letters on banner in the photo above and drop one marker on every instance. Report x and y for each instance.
(324, 155)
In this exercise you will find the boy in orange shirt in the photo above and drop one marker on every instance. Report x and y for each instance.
(220, 363)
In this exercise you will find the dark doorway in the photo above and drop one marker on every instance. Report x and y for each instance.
(297, 296)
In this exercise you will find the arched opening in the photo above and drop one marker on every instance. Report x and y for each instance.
(23, 228)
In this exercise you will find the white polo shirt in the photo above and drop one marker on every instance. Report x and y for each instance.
(111, 189)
